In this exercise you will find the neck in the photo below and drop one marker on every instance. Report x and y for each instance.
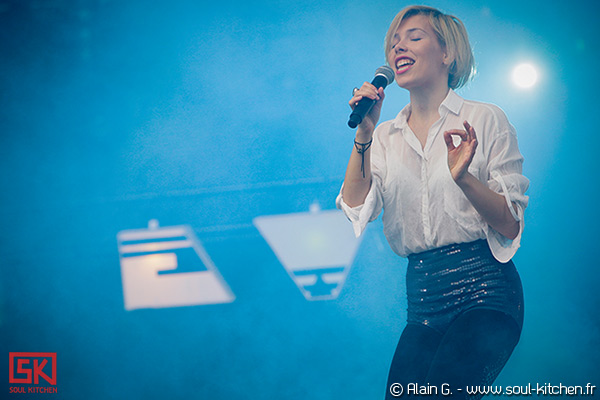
(425, 102)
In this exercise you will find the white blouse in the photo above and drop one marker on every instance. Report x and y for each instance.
(423, 207)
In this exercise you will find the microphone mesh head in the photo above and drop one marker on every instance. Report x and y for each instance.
(387, 72)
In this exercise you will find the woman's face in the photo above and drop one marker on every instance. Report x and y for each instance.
(416, 56)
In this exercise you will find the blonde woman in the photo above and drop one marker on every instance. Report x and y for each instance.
(448, 174)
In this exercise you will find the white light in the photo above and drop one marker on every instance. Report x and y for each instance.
(524, 75)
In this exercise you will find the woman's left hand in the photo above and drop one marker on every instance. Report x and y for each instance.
(460, 157)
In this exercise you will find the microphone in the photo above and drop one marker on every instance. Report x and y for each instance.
(383, 76)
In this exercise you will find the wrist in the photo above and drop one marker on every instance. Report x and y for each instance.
(465, 180)
(363, 138)
(363, 135)
(361, 148)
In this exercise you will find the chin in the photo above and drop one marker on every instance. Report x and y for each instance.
(404, 84)
(410, 84)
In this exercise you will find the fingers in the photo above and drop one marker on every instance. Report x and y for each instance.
(366, 90)
(470, 130)
(458, 132)
(448, 140)
(467, 136)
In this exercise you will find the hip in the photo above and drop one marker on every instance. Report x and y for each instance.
(444, 282)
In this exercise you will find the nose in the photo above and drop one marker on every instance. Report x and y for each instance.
(400, 47)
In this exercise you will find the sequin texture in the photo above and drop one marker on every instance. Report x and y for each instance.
(442, 283)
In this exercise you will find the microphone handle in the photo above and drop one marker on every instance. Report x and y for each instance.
(365, 104)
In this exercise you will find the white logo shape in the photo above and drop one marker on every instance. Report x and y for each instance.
(316, 249)
(168, 267)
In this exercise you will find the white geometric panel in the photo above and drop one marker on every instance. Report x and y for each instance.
(168, 267)
(316, 249)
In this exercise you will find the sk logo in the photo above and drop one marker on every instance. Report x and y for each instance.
(316, 249)
(28, 368)
(168, 267)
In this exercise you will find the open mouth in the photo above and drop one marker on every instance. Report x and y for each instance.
(403, 64)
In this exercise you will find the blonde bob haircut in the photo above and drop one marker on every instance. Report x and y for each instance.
(452, 36)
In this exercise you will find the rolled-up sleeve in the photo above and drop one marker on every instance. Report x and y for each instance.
(361, 215)
(505, 177)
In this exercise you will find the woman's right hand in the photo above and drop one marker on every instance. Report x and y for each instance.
(366, 127)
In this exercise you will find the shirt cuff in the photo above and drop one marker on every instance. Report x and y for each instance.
(503, 249)
(498, 178)
(362, 214)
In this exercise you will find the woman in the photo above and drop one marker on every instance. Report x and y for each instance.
(447, 172)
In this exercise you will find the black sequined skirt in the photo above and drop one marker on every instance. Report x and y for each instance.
(445, 282)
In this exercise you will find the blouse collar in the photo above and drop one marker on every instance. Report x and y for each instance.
(452, 103)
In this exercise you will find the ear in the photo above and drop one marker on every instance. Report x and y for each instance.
(448, 58)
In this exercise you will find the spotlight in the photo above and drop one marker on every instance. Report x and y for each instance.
(524, 75)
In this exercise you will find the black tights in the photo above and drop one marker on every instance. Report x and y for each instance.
(472, 351)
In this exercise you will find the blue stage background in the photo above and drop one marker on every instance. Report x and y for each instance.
(113, 113)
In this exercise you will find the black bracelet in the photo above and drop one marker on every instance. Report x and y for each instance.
(360, 149)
